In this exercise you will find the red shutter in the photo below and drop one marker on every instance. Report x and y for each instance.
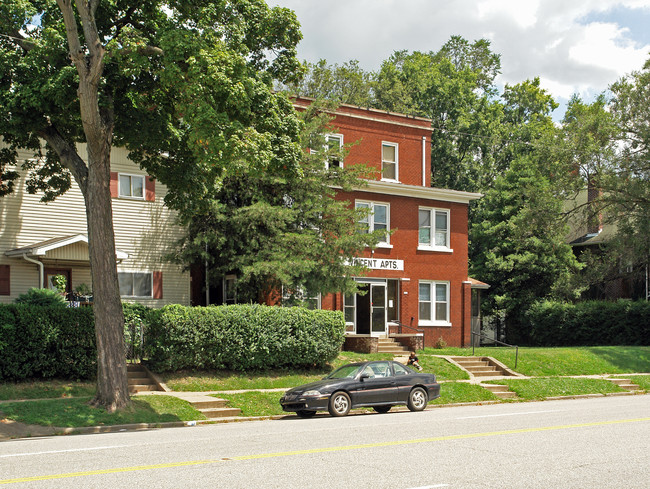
(157, 285)
(149, 189)
(5, 280)
(114, 184)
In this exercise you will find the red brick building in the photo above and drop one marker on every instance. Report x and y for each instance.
(418, 281)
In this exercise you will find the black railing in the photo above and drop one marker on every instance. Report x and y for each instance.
(401, 325)
(481, 335)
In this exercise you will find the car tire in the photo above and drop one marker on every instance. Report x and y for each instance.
(418, 399)
(339, 404)
(306, 414)
(382, 409)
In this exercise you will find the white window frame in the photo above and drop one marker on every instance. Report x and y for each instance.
(328, 138)
(133, 272)
(371, 220)
(431, 246)
(131, 177)
(353, 307)
(396, 162)
(433, 302)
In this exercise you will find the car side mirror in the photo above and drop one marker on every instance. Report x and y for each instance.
(364, 377)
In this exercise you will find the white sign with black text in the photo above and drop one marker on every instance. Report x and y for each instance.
(379, 263)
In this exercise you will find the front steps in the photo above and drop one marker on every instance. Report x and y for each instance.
(211, 407)
(501, 391)
(389, 345)
(139, 379)
(482, 366)
(626, 384)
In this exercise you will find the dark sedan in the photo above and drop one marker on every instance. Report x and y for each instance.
(380, 385)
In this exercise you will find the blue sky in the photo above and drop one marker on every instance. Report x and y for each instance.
(574, 46)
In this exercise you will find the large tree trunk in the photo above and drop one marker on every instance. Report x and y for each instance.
(112, 385)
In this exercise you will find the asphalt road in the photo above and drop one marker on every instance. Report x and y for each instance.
(585, 443)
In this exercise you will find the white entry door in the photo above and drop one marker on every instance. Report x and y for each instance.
(378, 309)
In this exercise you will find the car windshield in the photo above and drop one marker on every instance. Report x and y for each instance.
(347, 371)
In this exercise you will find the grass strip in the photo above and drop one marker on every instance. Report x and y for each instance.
(76, 412)
(542, 388)
(455, 392)
(48, 389)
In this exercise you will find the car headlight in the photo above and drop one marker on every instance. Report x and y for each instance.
(312, 393)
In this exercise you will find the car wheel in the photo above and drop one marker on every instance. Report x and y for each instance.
(417, 399)
(305, 414)
(339, 404)
(382, 409)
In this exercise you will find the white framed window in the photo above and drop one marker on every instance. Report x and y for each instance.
(377, 220)
(334, 142)
(350, 308)
(136, 284)
(433, 302)
(389, 161)
(433, 229)
(131, 186)
(300, 297)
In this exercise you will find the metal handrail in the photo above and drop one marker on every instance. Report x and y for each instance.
(496, 341)
(400, 324)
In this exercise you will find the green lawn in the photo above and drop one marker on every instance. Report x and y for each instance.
(45, 389)
(76, 412)
(542, 388)
(454, 392)
(543, 362)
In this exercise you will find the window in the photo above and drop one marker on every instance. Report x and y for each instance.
(230, 289)
(434, 303)
(377, 220)
(334, 142)
(300, 297)
(350, 308)
(433, 225)
(400, 369)
(136, 284)
(389, 161)
(131, 186)
(5, 280)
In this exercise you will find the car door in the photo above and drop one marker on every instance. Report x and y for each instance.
(379, 387)
(403, 381)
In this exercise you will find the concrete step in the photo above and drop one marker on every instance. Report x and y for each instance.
(139, 380)
(491, 373)
(501, 391)
(473, 364)
(134, 388)
(626, 384)
(482, 368)
(216, 404)
(394, 350)
(220, 412)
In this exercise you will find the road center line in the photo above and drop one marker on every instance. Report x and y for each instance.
(510, 414)
(320, 450)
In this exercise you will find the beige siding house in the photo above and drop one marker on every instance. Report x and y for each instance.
(38, 241)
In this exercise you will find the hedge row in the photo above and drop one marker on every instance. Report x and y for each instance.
(588, 323)
(46, 342)
(242, 337)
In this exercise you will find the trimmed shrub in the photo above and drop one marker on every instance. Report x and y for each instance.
(589, 323)
(242, 337)
(41, 297)
(46, 342)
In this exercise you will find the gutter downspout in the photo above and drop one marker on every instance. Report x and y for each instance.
(424, 161)
(41, 268)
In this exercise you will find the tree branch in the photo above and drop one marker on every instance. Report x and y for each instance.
(68, 156)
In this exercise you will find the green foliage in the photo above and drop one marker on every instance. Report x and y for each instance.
(588, 323)
(243, 337)
(41, 297)
(46, 342)
(136, 322)
(538, 389)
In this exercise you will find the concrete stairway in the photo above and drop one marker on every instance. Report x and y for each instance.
(480, 366)
(389, 345)
(501, 391)
(626, 384)
(211, 407)
(139, 379)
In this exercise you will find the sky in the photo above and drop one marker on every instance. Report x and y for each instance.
(573, 46)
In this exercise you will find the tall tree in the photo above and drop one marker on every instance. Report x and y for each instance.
(185, 84)
(278, 232)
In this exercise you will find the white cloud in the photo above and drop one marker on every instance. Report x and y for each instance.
(552, 39)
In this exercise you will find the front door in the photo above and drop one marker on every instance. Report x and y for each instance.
(377, 309)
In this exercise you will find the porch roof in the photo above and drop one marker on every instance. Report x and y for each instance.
(41, 248)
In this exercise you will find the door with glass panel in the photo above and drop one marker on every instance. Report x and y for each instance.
(378, 309)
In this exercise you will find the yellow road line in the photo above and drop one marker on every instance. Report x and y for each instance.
(320, 450)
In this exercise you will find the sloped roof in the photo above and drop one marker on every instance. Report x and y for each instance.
(41, 248)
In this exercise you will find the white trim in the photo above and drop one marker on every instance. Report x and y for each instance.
(41, 250)
(438, 249)
(433, 211)
(131, 176)
(371, 220)
(396, 162)
(433, 302)
(402, 190)
(424, 161)
(338, 136)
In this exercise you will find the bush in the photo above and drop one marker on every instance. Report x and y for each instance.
(243, 337)
(590, 323)
(41, 297)
(46, 342)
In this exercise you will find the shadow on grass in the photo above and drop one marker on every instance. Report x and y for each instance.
(632, 359)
